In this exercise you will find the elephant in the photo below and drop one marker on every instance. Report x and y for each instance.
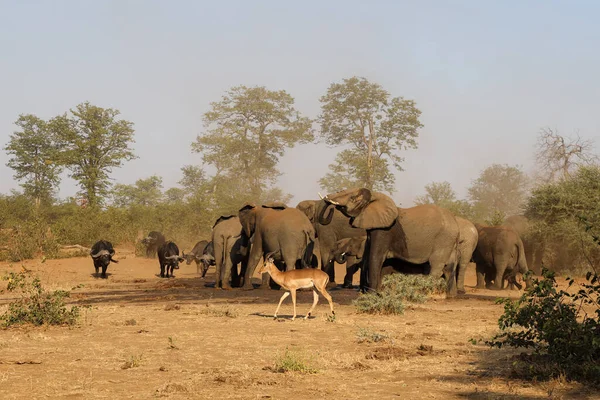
(499, 255)
(275, 228)
(349, 251)
(331, 225)
(230, 245)
(533, 244)
(420, 234)
(466, 247)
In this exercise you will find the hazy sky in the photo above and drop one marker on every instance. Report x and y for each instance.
(487, 75)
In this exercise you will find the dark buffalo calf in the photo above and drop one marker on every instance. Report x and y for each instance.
(102, 253)
(169, 258)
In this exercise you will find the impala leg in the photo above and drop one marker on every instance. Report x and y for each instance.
(328, 297)
(286, 294)
(294, 301)
(315, 301)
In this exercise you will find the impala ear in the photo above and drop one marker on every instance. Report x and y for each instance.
(381, 212)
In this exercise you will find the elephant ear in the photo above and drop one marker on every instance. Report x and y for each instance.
(247, 215)
(275, 205)
(222, 218)
(309, 208)
(380, 213)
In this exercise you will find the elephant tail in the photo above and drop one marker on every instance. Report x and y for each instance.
(308, 250)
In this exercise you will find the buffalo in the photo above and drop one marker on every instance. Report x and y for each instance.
(152, 242)
(169, 258)
(202, 253)
(102, 253)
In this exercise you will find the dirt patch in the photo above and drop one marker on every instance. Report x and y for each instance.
(179, 338)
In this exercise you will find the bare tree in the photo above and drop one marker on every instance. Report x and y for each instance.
(557, 155)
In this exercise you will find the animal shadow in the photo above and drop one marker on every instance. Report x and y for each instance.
(99, 275)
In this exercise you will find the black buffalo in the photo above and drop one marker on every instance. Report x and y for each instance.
(202, 253)
(169, 258)
(152, 242)
(102, 253)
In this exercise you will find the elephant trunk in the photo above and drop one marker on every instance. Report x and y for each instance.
(326, 220)
(340, 258)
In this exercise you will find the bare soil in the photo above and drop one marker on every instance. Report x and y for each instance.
(145, 337)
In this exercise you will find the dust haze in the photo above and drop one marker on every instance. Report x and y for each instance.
(486, 76)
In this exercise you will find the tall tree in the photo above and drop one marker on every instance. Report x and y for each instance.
(499, 190)
(438, 193)
(558, 156)
(93, 142)
(248, 130)
(145, 192)
(375, 126)
(33, 156)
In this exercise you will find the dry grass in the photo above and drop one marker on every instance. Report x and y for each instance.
(221, 341)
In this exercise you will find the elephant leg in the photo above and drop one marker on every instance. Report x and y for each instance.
(460, 276)
(499, 277)
(227, 267)
(376, 258)
(480, 270)
(350, 271)
(255, 255)
(235, 275)
(327, 265)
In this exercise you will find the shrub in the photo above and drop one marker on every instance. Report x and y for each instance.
(36, 306)
(369, 336)
(293, 362)
(565, 339)
(396, 289)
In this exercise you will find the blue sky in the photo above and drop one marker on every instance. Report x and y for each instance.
(487, 75)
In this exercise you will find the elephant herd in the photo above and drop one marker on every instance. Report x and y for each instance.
(367, 231)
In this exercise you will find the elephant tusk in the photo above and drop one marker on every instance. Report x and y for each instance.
(335, 203)
(343, 254)
(320, 195)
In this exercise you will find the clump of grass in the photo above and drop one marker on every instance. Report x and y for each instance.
(396, 290)
(133, 362)
(131, 322)
(291, 361)
(172, 345)
(220, 311)
(36, 305)
(366, 335)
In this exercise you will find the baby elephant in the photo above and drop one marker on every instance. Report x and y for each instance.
(102, 252)
(350, 251)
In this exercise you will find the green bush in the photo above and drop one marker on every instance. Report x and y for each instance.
(36, 306)
(293, 362)
(554, 323)
(397, 289)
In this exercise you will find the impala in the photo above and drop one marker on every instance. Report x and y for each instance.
(295, 279)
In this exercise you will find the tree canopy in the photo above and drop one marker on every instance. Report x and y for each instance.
(93, 142)
(375, 127)
(145, 192)
(247, 131)
(34, 158)
(500, 190)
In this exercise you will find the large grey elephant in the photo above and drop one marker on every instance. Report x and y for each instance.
(331, 225)
(230, 246)
(425, 233)
(533, 243)
(499, 255)
(285, 232)
(466, 247)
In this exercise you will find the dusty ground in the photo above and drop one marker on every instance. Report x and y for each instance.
(146, 337)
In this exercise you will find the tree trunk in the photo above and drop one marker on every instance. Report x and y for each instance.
(370, 173)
